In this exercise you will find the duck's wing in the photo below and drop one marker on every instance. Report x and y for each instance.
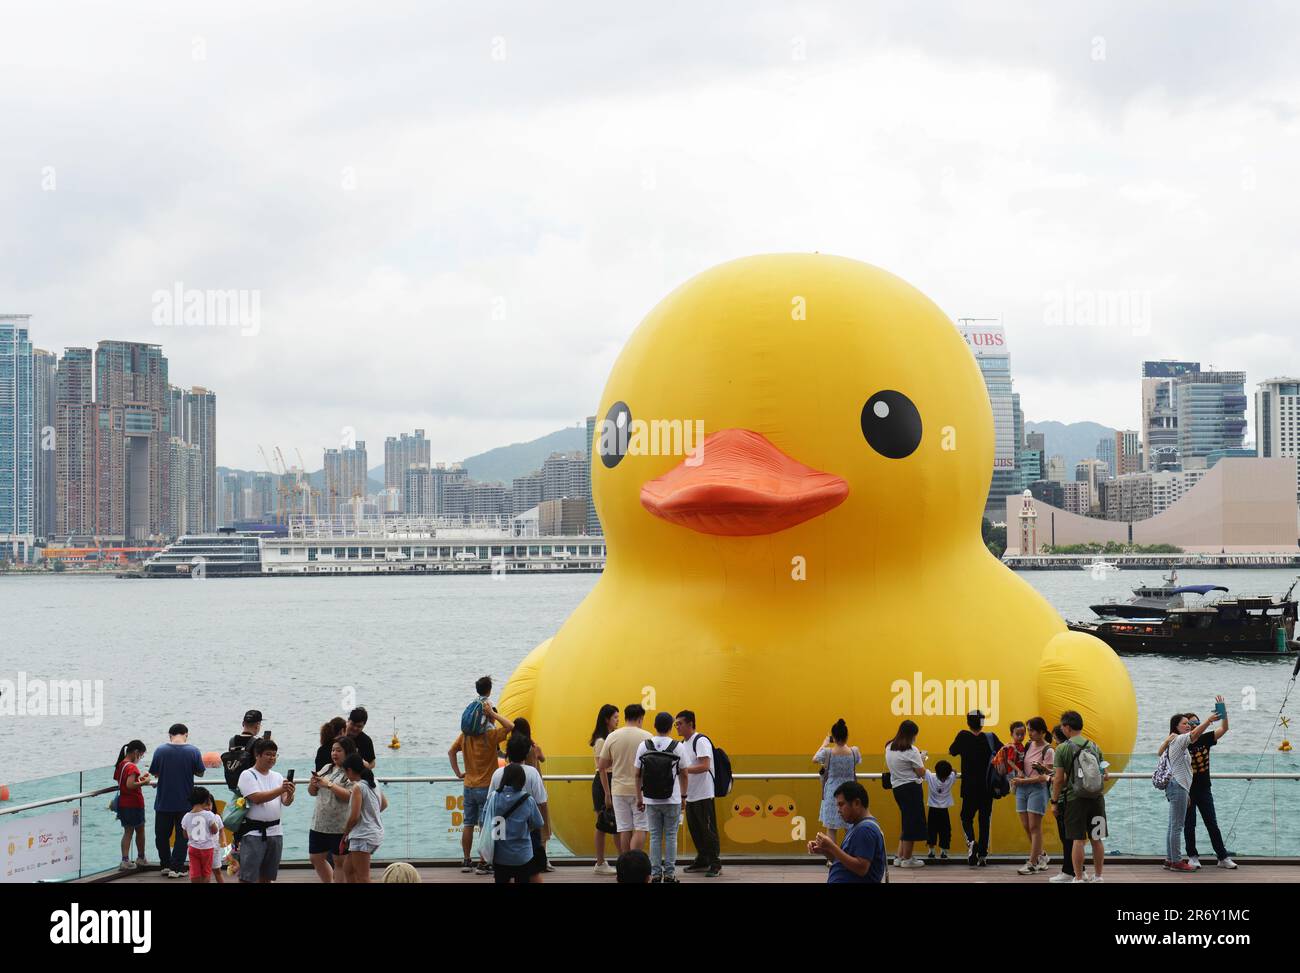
(517, 697)
(1082, 673)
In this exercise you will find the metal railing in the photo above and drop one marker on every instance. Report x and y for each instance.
(429, 830)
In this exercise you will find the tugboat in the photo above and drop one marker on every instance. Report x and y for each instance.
(1151, 601)
(1254, 625)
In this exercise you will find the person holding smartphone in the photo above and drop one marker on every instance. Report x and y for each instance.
(1182, 734)
(267, 794)
(1200, 797)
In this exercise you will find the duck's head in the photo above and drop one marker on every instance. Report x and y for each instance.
(780, 806)
(746, 806)
(837, 403)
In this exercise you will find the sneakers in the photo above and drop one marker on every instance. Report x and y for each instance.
(656, 879)
(1060, 878)
(671, 880)
(1226, 862)
(1043, 861)
(142, 862)
(482, 868)
(696, 867)
(1194, 862)
(125, 865)
(972, 858)
(466, 867)
(1179, 867)
(1095, 880)
(1028, 868)
(983, 862)
(931, 856)
(943, 853)
(604, 868)
(713, 872)
(909, 863)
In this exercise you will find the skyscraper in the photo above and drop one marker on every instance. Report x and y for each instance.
(345, 477)
(45, 367)
(1277, 420)
(1211, 409)
(987, 340)
(200, 430)
(131, 394)
(400, 454)
(17, 426)
(76, 428)
(565, 475)
(185, 477)
(593, 521)
(1160, 412)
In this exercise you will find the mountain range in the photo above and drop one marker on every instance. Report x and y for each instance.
(1075, 441)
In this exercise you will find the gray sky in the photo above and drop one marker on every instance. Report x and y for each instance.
(454, 214)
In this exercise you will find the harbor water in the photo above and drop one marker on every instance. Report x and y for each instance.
(302, 649)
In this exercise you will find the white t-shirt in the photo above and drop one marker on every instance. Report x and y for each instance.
(661, 743)
(198, 828)
(532, 783)
(251, 782)
(940, 790)
(903, 765)
(699, 787)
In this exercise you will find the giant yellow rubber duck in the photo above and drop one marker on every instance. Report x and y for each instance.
(821, 553)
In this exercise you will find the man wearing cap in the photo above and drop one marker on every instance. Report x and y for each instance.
(976, 749)
(252, 727)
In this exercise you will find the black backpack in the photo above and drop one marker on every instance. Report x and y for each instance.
(658, 770)
(720, 769)
(236, 760)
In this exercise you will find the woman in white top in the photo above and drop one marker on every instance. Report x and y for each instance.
(606, 723)
(906, 766)
(1181, 736)
(333, 792)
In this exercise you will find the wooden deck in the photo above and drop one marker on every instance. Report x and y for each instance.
(812, 872)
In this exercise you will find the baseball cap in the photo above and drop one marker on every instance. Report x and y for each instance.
(253, 716)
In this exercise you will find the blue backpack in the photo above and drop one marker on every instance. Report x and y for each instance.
(474, 721)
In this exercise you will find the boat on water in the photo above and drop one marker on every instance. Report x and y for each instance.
(1099, 567)
(228, 553)
(1260, 625)
(1154, 601)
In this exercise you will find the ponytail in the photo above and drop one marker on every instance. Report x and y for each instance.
(357, 765)
(121, 754)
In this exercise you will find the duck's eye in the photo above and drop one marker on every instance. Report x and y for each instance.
(891, 424)
(613, 433)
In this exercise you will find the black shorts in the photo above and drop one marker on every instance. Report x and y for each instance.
(538, 862)
(597, 795)
(501, 874)
(318, 843)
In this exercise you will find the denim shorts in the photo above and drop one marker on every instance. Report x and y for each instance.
(1031, 798)
(131, 817)
(475, 801)
(363, 846)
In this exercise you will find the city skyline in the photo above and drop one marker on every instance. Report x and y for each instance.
(1089, 207)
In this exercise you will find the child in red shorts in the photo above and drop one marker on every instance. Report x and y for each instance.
(202, 827)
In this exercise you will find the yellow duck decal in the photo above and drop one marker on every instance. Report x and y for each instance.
(745, 823)
(818, 548)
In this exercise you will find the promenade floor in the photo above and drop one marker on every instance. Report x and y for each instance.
(801, 872)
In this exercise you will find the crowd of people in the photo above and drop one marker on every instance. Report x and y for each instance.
(644, 786)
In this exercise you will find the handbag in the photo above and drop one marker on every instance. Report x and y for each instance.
(236, 812)
(606, 821)
(885, 782)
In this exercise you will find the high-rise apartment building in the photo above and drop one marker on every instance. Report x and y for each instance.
(525, 492)
(345, 477)
(45, 366)
(400, 454)
(1277, 420)
(1093, 472)
(134, 414)
(1056, 469)
(200, 429)
(593, 520)
(76, 437)
(565, 475)
(185, 513)
(419, 490)
(17, 426)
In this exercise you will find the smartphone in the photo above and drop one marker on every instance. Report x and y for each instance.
(266, 735)
(290, 777)
(1222, 710)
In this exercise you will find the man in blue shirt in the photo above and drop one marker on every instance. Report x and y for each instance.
(174, 765)
(860, 858)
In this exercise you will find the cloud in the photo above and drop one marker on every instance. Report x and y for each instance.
(455, 215)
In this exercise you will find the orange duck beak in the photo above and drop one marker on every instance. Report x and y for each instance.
(744, 487)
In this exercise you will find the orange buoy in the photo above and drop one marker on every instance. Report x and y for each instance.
(4, 792)
(212, 759)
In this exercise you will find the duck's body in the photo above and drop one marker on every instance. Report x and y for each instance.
(772, 597)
